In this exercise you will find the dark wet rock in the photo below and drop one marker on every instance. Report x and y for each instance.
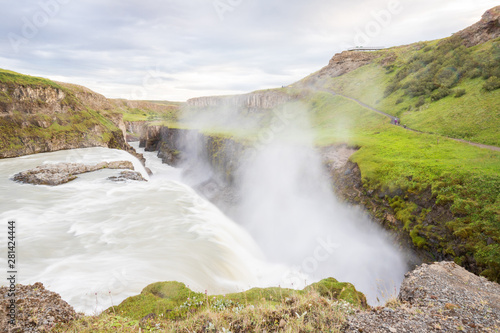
(128, 175)
(61, 173)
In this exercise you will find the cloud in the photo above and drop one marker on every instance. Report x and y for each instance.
(197, 48)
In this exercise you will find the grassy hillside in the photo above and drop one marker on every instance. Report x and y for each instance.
(442, 89)
(13, 78)
(148, 110)
(437, 87)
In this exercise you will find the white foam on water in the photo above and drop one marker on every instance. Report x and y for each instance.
(96, 242)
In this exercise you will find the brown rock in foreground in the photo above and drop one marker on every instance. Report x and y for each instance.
(36, 309)
(442, 297)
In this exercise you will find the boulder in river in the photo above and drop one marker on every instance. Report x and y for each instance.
(61, 173)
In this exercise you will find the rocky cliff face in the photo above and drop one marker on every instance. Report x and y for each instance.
(486, 29)
(341, 63)
(31, 100)
(207, 158)
(346, 62)
(253, 102)
(50, 117)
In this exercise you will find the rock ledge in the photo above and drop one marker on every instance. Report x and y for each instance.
(442, 297)
(61, 173)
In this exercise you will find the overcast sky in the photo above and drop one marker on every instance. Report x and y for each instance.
(175, 50)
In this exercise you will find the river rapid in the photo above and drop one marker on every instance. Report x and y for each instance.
(96, 242)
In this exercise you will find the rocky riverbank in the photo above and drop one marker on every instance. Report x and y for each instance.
(439, 297)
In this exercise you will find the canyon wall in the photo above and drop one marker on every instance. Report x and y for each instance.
(252, 102)
(48, 116)
(210, 158)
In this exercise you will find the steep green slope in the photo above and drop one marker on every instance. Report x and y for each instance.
(437, 87)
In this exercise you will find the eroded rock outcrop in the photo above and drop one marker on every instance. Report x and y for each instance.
(486, 29)
(36, 309)
(135, 130)
(252, 102)
(150, 137)
(346, 62)
(61, 173)
(32, 99)
(442, 297)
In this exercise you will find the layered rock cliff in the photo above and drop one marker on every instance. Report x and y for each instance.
(346, 62)
(38, 115)
(252, 102)
(36, 119)
(210, 162)
(486, 29)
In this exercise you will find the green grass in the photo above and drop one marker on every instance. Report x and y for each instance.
(172, 307)
(420, 84)
(134, 117)
(474, 116)
(13, 78)
(168, 113)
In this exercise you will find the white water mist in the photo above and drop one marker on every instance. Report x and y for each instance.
(288, 206)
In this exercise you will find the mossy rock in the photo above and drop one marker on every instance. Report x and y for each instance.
(173, 300)
(335, 290)
(168, 290)
(162, 298)
(271, 296)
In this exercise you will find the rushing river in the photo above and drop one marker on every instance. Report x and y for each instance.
(96, 242)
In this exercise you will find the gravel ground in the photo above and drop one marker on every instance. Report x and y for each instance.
(442, 297)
